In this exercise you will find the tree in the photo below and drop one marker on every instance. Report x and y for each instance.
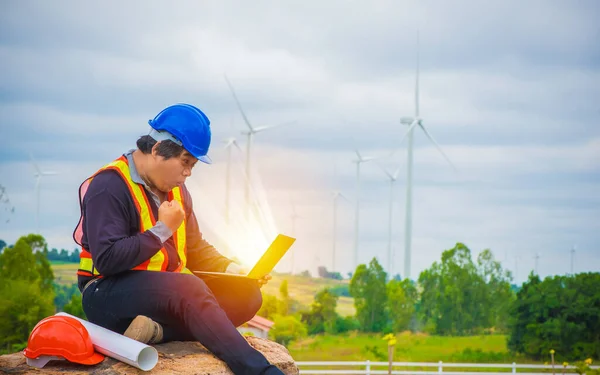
(270, 307)
(26, 290)
(453, 295)
(285, 297)
(27, 261)
(499, 296)
(23, 306)
(559, 313)
(322, 316)
(63, 294)
(286, 329)
(368, 287)
(322, 271)
(401, 297)
(53, 254)
(74, 257)
(2, 245)
(460, 297)
(74, 307)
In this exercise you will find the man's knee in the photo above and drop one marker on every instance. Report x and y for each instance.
(256, 300)
(252, 303)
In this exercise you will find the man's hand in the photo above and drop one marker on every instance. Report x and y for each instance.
(264, 280)
(241, 270)
(172, 214)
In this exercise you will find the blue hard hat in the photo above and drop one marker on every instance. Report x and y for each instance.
(185, 125)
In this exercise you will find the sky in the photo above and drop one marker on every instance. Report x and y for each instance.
(509, 90)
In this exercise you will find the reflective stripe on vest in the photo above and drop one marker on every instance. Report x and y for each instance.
(160, 260)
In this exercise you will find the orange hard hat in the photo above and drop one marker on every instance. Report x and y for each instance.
(61, 336)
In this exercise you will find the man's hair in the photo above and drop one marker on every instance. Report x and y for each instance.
(167, 149)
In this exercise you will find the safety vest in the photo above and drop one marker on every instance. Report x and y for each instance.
(160, 260)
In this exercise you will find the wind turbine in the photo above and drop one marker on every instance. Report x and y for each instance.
(393, 177)
(38, 180)
(537, 258)
(336, 195)
(250, 134)
(413, 122)
(358, 162)
(229, 143)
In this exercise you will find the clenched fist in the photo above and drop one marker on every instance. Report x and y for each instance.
(172, 214)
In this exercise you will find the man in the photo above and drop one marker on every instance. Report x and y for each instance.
(140, 241)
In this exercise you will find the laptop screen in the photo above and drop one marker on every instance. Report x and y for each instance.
(271, 257)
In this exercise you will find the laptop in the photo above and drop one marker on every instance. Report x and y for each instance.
(265, 264)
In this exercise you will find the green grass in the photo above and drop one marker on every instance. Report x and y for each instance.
(300, 288)
(59, 262)
(64, 273)
(409, 347)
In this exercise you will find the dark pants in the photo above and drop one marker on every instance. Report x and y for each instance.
(188, 308)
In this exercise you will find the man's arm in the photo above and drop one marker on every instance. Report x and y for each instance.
(201, 256)
(109, 213)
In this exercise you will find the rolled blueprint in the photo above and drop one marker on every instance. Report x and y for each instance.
(119, 347)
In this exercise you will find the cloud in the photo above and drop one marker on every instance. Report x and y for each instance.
(507, 89)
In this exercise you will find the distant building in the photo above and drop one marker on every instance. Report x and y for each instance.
(258, 326)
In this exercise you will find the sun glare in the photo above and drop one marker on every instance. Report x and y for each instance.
(249, 230)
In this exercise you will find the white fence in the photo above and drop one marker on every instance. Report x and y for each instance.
(368, 368)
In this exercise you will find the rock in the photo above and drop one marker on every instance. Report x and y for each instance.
(173, 358)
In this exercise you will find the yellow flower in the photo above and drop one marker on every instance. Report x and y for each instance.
(389, 336)
(545, 363)
(588, 361)
(552, 351)
(565, 364)
(392, 342)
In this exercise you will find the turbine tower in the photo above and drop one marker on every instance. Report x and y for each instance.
(537, 259)
(572, 258)
(250, 134)
(358, 162)
(393, 177)
(413, 122)
(38, 181)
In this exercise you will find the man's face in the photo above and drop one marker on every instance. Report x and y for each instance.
(169, 173)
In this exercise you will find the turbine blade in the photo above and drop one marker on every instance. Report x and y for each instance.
(344, 197)
(410, 128)
(229, 142)
(49, 173)
(261, 128)
(383, 169)
(437, 146)
(396, 173)
(37, 168)
(236, 145)
(358, 154)
(237, 102)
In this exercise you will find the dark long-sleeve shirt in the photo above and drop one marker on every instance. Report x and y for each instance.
(111, 231)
